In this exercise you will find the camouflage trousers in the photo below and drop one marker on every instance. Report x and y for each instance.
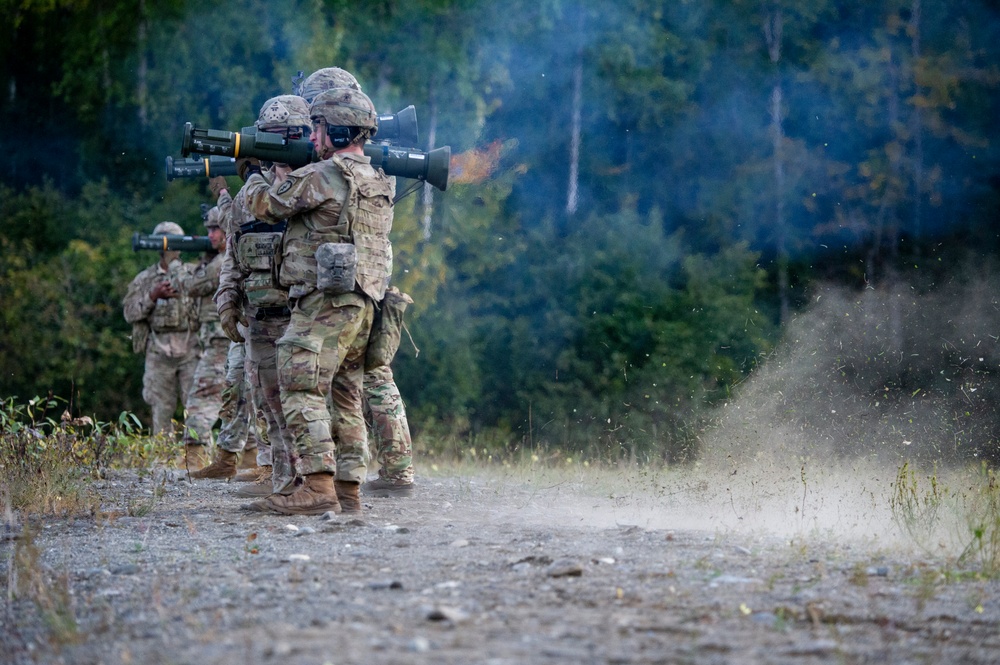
(204, 399)
(240, 416)
(323, 352)
(165, 381)
(262, 374)
(386, 416)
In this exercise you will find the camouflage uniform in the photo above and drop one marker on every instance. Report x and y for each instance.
(383, 405)
(342, 199)
(247, 280)
(205, 398)
(166, 332)
(240, 412)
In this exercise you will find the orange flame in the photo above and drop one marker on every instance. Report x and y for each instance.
(475, 165)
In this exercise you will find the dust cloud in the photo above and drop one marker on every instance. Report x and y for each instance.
(812, 444)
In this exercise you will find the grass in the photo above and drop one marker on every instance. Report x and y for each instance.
(960, 507)
(48, 465)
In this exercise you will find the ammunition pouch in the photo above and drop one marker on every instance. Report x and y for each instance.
(140, 335)
(336, 268)
(169, 315)
(255, 254)
(387, 329)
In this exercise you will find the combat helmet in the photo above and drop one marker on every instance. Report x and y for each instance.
(214, 218)
(168, 228)
(345, 107)
(283, 112)
(327, 78)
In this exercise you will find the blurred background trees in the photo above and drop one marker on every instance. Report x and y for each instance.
(648, 189)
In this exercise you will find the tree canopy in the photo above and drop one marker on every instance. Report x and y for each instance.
(642, 190)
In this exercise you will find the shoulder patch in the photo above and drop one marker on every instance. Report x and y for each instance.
(285, 186)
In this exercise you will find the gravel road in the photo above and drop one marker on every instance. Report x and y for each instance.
(477, 567)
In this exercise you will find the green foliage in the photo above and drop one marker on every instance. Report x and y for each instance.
(614, 328)
(49, 459)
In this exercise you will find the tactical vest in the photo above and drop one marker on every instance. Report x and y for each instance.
(365, 220)
(257, 246)
(173, 315)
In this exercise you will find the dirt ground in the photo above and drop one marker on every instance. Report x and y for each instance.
(477, 567)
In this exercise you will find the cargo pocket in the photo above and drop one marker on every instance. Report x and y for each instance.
(298, 368)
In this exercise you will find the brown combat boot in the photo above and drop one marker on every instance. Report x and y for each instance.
(195, 456)
(253, 475)
(248, 460)
(349, 497)
(384, 488)
(315, 496)
(223, 466)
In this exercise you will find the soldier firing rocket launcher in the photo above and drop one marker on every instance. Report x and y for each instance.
(170, 243)
(401, 128)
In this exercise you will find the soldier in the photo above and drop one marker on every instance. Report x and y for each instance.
(205, 398)
(248, 287)
(384, 407)
(237, 446)
(164, 328)
(340, 209)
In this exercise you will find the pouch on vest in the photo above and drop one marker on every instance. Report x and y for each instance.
(167, 314)
(256, 251)
(261, 291)
(140, 335)
(387, 328)
(336, 267)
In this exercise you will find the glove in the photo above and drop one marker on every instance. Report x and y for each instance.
(247, 165)
(217, 184)
(229, 315)
(162, 290)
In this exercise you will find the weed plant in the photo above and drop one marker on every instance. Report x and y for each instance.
(963, 507)
(47, 464)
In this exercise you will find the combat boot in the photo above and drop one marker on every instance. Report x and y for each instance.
(315, 496)
(255, 490)
(195, 456)
(348, 496)
(223, 466)
(253, 475)
(383, 487)
(248, 460)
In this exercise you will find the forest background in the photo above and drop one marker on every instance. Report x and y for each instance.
(645, 194)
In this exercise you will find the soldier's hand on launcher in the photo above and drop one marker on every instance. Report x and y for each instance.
(247, 165)
(162, 290)
(216, 184)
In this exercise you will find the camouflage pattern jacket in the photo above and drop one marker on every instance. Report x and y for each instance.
(339, 200)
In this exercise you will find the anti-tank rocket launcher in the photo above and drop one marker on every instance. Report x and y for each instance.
(431, 167)
(200, 167)
(170, 243)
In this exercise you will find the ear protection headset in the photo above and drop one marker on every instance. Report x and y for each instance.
(341, 136)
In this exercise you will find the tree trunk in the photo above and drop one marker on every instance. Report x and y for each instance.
(917, 129)
(142, 82)
(576, 128)
(773, 24)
